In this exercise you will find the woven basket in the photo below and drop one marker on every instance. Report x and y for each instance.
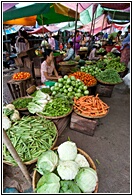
(36, 175)
(108, 83)
(31, 89)
(91, 116)
(56, 117)
(22, 109)
(35, 160)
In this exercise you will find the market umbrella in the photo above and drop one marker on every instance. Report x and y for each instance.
(44, 13)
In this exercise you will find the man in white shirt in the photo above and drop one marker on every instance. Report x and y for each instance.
(70, 52)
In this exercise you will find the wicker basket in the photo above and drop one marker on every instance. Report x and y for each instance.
(31, 89)
(35, 160)
(85, 116)
(22, 109)
(36, 175)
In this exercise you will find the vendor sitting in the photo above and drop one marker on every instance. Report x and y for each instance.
(92, 55)
(47, 67)
(70, 52)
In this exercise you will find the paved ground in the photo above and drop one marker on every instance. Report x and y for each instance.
(110, 144)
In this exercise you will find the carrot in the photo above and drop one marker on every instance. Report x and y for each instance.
(91, 106)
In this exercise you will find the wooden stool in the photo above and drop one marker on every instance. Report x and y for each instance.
(18, 88)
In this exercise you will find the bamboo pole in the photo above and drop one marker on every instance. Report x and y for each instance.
(15, 155)
(76, 16)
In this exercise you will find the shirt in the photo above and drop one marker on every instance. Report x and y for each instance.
(70, 54)
(22, 44)
(51, 41)
(126, 41)
(46, 68)
(92, 55)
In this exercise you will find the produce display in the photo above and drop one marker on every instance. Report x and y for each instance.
(65, 170)
(59, 106)
(21, 102)
(119, 67)
(30, 136)
(10, 114)
(101, 50)
(44, 90)
(109, 76)
(86, 78)
(21, 76)
(90, 62)
(90, 106)
(92, 70)
(70, 87)
(68, 63)
(38, 102)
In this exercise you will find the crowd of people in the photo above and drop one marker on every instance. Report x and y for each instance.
(72, 46)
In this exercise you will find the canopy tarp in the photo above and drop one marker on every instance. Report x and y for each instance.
(12, 29)
(7, 6)
(44, 29)
(99, 25)
(46, 13)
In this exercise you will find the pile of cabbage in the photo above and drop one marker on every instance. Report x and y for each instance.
(65, 171)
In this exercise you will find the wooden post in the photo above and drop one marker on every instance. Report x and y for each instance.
(15, 155)
(76, 16)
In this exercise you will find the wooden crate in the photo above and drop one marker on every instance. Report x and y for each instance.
(104, 90)
(62, 123)
(83, 125)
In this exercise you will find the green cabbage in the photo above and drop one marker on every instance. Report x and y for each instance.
(67, 170)
(82, 161)
(47, 162)
(67, 151)
(49, 183)
(67, 186)
(86, 179)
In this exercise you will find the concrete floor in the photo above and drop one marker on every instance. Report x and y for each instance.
(110, 144)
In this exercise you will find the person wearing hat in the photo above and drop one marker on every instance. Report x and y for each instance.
(125, 49)
(92, 55)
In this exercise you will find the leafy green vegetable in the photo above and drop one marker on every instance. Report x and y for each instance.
(86, 179)
(67, 151)
(49, 183)
(22, 102)
(110, 76)
(7, 111)
(47, 162)
(68, 186)
(67, 170)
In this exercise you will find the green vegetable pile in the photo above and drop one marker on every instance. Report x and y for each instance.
(110, 76)
(113, 62)
(65, 170)
(69, 87)
(30, 136)
(101, 50)
(22, 102)
(44, 90)
(57, 107)
(93, 70)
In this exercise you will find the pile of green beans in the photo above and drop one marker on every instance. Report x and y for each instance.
(30, 136)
